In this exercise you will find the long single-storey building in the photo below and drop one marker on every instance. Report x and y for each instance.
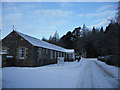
(23, 50)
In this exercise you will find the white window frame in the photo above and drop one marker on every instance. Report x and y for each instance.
(39, 53)
(60, 54)
(5, 50)
(22, 50)
(51, 54)
(55, 54)
(46, 51)
(65, 55)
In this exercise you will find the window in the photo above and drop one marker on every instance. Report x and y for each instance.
(42, 50)
(21, 38)
(46, 51)
(66, 55)
(58, 54)
(70, 55)
(51, 54)
(39, 53)
(63, 54)
(4, 50)
(54, 54)
(22, 53)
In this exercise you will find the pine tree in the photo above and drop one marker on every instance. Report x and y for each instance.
(84, 31)
(118, 16)
(93, 30)
(76, 33)
(66, 40)
(55, 37)
(44, 39)
(50, 38)
(101, 30)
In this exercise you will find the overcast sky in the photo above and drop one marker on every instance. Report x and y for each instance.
(42, 19)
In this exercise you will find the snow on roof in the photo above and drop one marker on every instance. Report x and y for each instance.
(69, 50)
(40, 43)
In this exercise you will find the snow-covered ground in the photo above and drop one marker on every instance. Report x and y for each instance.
(88, 73)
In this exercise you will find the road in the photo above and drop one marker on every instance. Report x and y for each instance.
(97, 75)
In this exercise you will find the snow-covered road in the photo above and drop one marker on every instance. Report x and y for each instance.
(96, 76)
(88, 73)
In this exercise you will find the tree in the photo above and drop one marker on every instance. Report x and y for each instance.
(101, 30)
(66, 41)
(44, 39)
(76, 33)
(84, 30)
(93, 30)
(55, 37)
(50, 38)
(118, 14)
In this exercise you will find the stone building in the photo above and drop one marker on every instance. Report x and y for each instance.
(24, 50)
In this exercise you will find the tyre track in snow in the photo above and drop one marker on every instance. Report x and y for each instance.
(111, 79)
(86, 80)
(111, 74)
(95, 77)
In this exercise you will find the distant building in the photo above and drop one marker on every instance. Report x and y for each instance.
(23, 50)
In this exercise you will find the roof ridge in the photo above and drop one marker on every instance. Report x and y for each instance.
(26, 35)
